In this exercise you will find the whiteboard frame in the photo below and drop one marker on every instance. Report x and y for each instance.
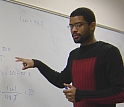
(59, 14)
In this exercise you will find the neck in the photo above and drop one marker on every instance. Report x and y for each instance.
(90, 41)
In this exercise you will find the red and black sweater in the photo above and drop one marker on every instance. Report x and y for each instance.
(96, 71)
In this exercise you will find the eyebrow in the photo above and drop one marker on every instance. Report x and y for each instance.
(77, 23)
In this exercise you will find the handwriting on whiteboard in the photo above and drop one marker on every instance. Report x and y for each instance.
(11, 93)
(33, 21)
(14, 73)
(10, 72)
(4, 49)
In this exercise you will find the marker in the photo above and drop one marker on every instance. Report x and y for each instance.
(66, 87)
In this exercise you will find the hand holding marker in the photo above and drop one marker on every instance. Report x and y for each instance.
(66, 87)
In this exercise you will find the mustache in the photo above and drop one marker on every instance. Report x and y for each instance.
(76, 34)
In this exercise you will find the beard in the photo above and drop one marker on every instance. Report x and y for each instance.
(82, 38)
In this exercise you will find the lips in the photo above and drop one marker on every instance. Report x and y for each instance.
(75, 36)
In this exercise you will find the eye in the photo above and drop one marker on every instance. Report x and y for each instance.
(70, 26)
(78, 25)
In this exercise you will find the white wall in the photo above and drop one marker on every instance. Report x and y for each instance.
(108, 12)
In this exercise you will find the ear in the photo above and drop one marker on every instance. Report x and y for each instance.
(92, 26)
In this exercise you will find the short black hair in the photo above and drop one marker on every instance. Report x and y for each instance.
(87, 14)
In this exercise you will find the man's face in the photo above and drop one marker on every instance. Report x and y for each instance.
(80, 30)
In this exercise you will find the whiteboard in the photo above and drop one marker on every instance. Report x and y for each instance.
(31, 33)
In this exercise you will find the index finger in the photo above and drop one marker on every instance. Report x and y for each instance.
(19, 59)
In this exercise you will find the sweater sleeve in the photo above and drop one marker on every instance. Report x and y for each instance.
(54, 77)
(115, 92)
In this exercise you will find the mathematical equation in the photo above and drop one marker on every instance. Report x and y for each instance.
(32, 21)
(3, 51)
(12, 93)
(14, 73)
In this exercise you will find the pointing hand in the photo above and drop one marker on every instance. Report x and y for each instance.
(27, 63)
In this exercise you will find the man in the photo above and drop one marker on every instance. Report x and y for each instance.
(95, 68)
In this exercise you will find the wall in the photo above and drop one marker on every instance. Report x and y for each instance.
(108, 12)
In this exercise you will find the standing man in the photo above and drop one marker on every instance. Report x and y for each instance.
(95, 68)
